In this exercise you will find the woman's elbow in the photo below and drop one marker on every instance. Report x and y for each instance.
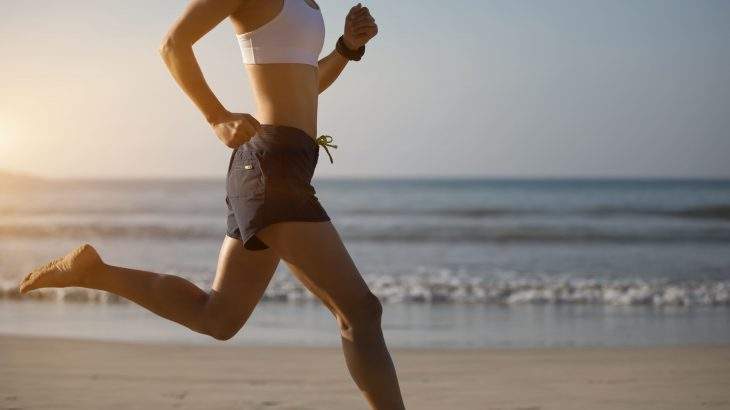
(167, 46)
(170, 44)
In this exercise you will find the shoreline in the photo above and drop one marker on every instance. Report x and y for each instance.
(404, 325)
(83, 374)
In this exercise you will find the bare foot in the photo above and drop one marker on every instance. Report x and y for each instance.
(68, 270)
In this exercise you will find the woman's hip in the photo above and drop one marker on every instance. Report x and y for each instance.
(277, 160)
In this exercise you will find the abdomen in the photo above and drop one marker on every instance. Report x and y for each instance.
(285, 94)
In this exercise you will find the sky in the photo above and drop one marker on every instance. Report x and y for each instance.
(475, 88)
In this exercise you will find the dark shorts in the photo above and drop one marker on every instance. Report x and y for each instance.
(269, 181)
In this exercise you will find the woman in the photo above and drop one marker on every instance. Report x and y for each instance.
(273, 211)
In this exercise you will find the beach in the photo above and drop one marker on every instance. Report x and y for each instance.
(497, 294)
(540, 205)
(48, 373)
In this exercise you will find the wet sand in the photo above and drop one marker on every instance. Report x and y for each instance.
(38, 373)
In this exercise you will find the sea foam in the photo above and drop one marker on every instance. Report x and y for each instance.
(453, 288)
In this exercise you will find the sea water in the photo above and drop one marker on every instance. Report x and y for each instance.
(456, 262)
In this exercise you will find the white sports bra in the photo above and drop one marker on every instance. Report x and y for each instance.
(295, 35)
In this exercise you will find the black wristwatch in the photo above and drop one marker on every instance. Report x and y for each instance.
(352, 55)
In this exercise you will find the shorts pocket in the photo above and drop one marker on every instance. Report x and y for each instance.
(245, 178)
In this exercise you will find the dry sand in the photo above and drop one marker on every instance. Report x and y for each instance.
(67, 374)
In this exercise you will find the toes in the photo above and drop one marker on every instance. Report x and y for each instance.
(48, 274)
(22, 287)
(27, 282)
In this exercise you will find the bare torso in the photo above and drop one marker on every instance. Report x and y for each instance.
(285, 94)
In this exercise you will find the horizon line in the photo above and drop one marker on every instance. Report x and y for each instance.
(38, 177)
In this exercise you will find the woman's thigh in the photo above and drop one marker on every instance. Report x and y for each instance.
(316, 255)
(241, 278)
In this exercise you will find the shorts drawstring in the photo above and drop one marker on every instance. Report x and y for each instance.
(325, 140)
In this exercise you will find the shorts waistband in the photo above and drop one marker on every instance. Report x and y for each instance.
(285, 135)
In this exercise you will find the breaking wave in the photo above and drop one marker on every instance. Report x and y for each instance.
(451, 288)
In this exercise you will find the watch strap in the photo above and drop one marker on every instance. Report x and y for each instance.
(352, 55)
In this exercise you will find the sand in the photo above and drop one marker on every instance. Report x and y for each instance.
(40, 373)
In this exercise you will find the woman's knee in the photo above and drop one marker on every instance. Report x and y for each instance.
(364, 317)
(219, 322)
(223, 331)
(222, 327)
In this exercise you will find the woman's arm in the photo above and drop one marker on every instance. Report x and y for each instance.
(330, 68)
(199, 17)
(360, 27)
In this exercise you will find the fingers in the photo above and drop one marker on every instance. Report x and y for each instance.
(244, 127)
(363, 28)
(366, 19)
(253, 121)
(248, 127)
(360, 23)
(364, 32)
(354, 9)
(357, 12)
(237, 130)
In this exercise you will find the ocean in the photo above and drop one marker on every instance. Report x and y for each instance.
(457, 262)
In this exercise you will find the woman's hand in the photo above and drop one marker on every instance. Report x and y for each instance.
(235, 129)
(360, 27)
